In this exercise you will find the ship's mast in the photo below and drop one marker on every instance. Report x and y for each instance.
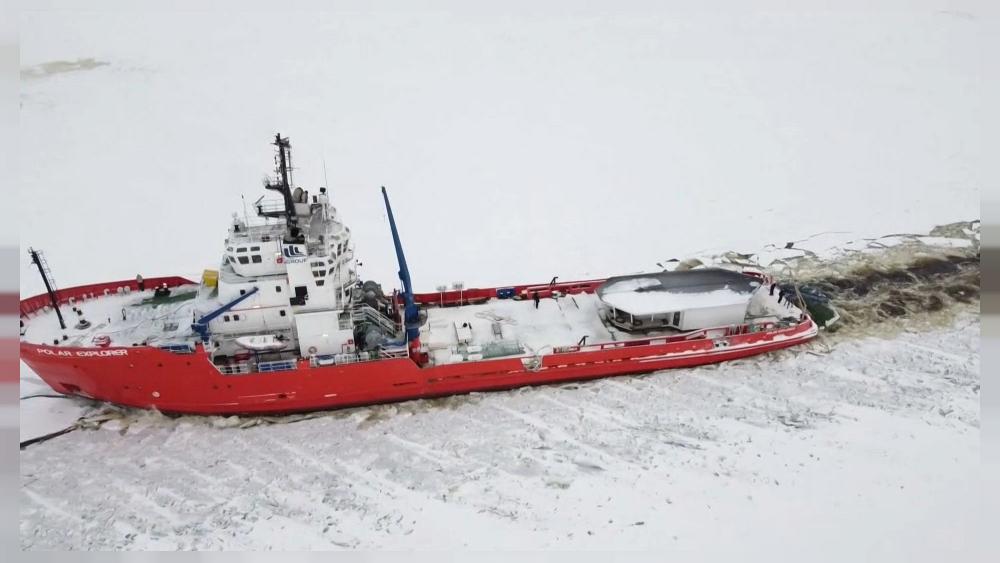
(43, 269)
(283, 182)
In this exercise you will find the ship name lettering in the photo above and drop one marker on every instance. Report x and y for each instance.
(101, 353)
(82, 353)
(53, 352)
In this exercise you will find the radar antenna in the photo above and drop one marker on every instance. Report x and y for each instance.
(283, 182)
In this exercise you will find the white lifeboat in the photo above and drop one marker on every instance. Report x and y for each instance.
(261, 342)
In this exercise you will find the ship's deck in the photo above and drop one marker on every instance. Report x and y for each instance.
(127, 319)
(497, 328)
(501, 326)
(556, 322)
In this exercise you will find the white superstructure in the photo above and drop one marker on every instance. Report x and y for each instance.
(293, 266)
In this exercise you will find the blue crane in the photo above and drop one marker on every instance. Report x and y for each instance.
(201, 325)
(411, 316)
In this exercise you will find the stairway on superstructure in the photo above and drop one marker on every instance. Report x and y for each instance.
(362, 313)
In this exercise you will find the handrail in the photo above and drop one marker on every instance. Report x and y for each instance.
(277, 365)
(731, 330)
(270, 206)
(39, 302)
(178, 348)
(233, 369)
(366, 312)
(341, 359)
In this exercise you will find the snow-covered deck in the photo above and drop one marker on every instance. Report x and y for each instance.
(126, 318)
(500, 327)
(556, 322)
(455, 334)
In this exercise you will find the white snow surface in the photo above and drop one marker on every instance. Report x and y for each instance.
(556, 322)
(875, 440)
(516, 148)
(515, 145)
(141, 323)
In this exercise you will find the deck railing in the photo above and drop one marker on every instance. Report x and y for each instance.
(712, 333)
(41, 302)
(342, 359)
(241, 368)
(276, 365)
(183, 348)
(234, 369)
(365, 313)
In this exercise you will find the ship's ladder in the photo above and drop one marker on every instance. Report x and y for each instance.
(44, 264)
(365, 314)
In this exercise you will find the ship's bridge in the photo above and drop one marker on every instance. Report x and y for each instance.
(255, 250)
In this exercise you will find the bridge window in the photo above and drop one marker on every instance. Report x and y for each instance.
(225, 318)
(236, 317)
(241, 249)
(320, 282)
(256, 259)
(252, 248)
(243, 259)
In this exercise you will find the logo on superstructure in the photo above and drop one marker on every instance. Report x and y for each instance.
(293, 253)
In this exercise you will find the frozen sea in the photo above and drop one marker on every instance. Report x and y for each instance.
(875, 439)
(515, 148)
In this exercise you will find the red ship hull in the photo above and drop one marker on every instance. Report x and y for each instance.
(152, 378)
